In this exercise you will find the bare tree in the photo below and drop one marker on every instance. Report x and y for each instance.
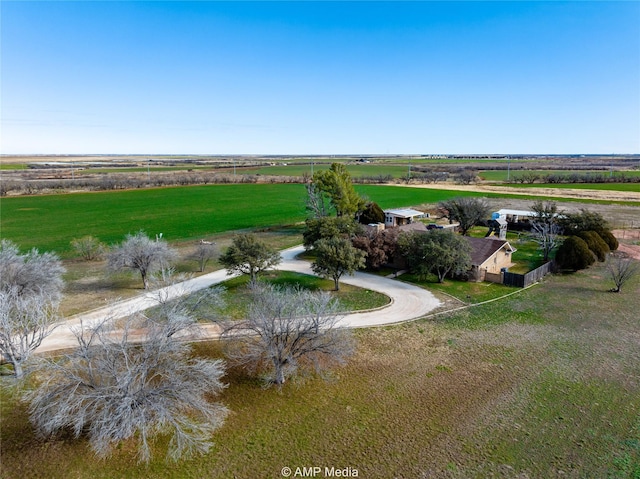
(249, 255)
(287, 329)
(30, 291)
(465, 177)
(621, 269)
(467, 211)
(132, 381)
(30, 273)
(25, 321)
(546, 235)
(204, 252)
(88, 248)
(546, 212)
(140, 253)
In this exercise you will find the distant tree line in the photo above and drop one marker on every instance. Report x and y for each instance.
(530, 177)
(122, 181)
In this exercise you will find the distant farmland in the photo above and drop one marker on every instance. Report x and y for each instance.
(49, 222)
(503, 175)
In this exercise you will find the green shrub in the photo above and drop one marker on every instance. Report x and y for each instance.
(372, 214)
(88, 248)
(595, 243)
(608, 238)
(574, 254)
(586, 220)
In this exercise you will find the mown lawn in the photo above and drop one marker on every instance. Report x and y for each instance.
(351, 298)
(468, 292)
(544, 384)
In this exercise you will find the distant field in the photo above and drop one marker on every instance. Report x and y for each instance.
(49, 222)
(397, 168)
(584, 186)
(501, 175)
(355, 170)
(152, 169)
(13, 166)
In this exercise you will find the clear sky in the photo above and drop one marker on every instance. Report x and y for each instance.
(202, 77)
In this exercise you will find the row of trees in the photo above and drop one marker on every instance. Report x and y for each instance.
(531, 177)
(31, 185)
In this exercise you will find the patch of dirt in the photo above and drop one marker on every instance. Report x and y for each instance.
(631, 250)
(627, 234)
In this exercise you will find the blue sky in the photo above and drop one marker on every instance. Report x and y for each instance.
(202, 77)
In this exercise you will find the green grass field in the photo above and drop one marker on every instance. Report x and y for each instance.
(50, 222)
(13, 166)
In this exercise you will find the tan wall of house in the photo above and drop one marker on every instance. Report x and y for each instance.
(501, 259)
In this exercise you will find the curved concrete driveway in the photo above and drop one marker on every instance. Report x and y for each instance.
(407, 302)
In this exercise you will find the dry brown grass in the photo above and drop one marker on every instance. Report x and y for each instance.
(543, 385)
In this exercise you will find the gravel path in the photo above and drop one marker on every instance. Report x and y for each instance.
(407, 302)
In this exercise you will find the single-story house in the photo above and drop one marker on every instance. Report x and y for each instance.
(489, 257)
(401, 217)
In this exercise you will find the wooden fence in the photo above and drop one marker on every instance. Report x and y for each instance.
(524, 280)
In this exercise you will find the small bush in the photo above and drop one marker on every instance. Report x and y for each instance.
(608, 238)
(574, 254)
(88, 248)
(595, 243)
